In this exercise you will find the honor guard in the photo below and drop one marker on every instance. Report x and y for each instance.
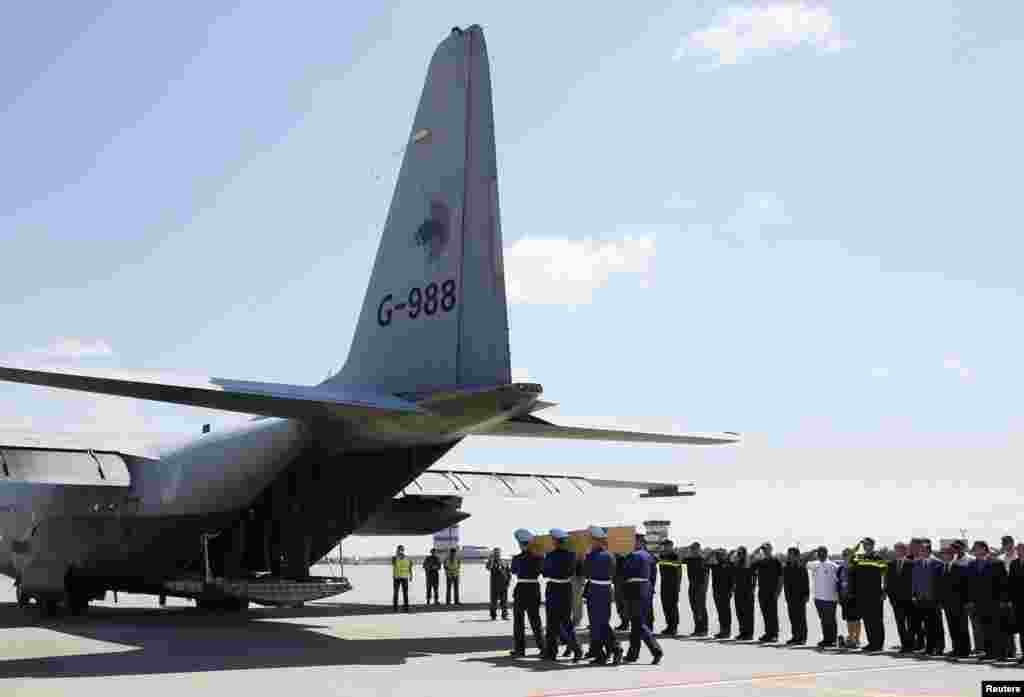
(744, 582)
(640, 571)
(721, 589)
(560, 565)
(526, 567)
(599, 569)
(670, 568)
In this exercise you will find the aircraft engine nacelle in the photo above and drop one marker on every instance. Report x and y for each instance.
(414, 515)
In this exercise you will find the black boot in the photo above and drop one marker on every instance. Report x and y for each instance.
(657, 657)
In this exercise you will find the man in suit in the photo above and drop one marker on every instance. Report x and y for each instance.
(952, 596)
(1015, 591)
(924, 586)
(987, 595)
(898, 590)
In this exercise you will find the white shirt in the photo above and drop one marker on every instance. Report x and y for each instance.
(825, 581)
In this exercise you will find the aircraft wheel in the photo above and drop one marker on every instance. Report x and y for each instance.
(23, 598)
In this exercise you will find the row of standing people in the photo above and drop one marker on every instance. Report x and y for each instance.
(981, 595)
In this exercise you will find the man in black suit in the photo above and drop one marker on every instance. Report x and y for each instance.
(1015, 591)
(987, 594)
(897, 587)
(924, 584)
(951, 593)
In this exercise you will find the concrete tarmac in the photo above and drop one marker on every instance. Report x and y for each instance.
(356, 645)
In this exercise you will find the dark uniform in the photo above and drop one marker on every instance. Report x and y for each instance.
(745, 580)
(951, 593)
(599, 569)
(526, 600)
(670, 568)
(1015, 593)
(640, 572)
(499, 587)
(722, 580)
(796, 585)
(898, 586)
(987, 589)
(769, 575)
(697, 574)
(865, 574)
(560, 566)
(620, 592)
(432, 570)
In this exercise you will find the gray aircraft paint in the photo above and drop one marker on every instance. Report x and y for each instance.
(442, 227)
(327, 460)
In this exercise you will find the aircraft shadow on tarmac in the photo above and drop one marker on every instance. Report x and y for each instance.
(182, 640)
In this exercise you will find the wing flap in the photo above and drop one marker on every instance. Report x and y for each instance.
(267, 399)
(520, 485)
(530, 426)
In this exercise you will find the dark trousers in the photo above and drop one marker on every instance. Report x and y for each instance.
(1009, 630)
(452, 582)
(959, 632)
(558, 608)
(745, 612)
(903, 610)
(930, 621)
(797, 618)
(871, 613)
(723, 607)
(402, 583)
(599, 612)
(769, 603)
(827, 615)
(992, 629)
(699, 607)
(526, 603)
(499, 596)
(433, 584)
(621, 605)
(639, 598)
(1018, 623)
(670, 606)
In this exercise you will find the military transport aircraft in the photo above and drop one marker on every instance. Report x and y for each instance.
(237, 516)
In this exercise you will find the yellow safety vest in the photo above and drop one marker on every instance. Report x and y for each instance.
(452, 567)
(402, 568)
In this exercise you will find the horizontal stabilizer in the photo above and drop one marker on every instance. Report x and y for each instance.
(529, 426)
(467, 483)
(267, 399)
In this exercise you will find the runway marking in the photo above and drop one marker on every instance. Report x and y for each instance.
(680, 685)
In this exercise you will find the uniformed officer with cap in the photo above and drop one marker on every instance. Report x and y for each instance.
(640, 573)
(526, 567)
(599, 569)
(670, 568)
(560, 565)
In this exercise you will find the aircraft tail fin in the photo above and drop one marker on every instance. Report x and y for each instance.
(435, 313)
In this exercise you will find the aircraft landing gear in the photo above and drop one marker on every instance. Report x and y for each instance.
(222, 604)
(23, 598)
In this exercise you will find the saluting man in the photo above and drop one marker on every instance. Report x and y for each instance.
(640, 572)
(599, 569)
(670, 568)
(526, 567)
(560, 565)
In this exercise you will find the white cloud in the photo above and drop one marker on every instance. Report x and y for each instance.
(957, 367)
(740, 33)
(560, 271)
(880, 372)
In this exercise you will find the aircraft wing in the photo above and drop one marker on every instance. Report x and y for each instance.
(267, 399)
(468, 483)
(529, 426)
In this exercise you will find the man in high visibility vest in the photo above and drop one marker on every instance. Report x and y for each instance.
(452, 571)
(401, 572)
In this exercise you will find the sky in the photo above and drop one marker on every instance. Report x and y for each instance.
(794, 220)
